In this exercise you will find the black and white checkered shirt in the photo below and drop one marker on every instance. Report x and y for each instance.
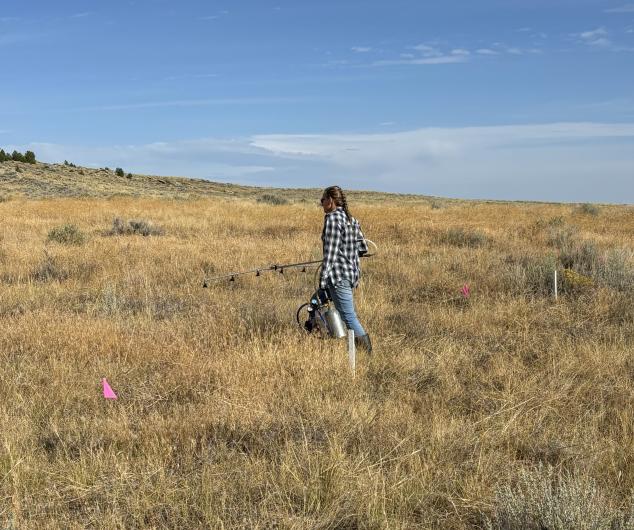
(343, 244)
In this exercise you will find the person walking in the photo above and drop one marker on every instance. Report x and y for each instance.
(343, 244)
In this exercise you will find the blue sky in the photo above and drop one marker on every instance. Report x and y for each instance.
(489, 99)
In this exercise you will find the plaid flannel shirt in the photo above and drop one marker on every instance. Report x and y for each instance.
(343, 243)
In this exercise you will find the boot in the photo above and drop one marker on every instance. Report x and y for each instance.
(363, 343)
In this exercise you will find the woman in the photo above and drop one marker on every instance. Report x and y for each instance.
(343, 243)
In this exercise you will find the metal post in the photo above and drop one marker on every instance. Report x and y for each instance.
(556, 293)
(352, 352)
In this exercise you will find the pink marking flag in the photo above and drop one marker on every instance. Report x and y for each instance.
(107, 391)
(466, 291)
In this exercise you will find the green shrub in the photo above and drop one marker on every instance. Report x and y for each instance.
(29, 157)
(275, 200)
(67, 235)
(143, 228)
(17, 157)
(119, 172)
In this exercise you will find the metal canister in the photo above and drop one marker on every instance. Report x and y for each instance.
(335, 324)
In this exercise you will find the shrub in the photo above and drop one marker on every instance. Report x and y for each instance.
(119, 172)
(4, 156)
(583, 257)
(530, 274)
(29, 157)
(129, 175)
(275, 200)
(122, 228)
(589, 209)
(67, 235)
(544, 499)
(17, 157)
(459, 237)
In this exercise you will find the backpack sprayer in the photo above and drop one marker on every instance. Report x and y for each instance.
(316, 317)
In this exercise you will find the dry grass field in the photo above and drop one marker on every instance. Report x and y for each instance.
(505, 410)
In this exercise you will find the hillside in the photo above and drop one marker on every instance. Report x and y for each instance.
(41, 181)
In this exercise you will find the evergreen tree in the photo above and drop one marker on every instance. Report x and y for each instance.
(119, 172)
(29, 157)
(17, 157)
(3, 156)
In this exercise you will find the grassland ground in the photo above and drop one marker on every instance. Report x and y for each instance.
(472, 412)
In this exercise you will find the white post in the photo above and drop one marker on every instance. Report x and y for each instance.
(352, 352)
(556, 284)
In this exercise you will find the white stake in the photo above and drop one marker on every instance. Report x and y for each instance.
(556, 284)
(352, 351)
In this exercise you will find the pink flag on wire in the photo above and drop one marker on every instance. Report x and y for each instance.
(108, 393)
(466, 291)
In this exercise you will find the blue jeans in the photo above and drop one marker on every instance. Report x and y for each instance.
(341, 295)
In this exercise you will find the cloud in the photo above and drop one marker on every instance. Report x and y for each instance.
(361, 49)
(627, 8)
(442, 59)
(80, 15)
(8, 19)
(426, 55)
(579, 162)
(487, 51)
(596, 38)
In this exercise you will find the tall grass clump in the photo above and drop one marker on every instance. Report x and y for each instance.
(120, 227)
(462, 237)
(68, 234)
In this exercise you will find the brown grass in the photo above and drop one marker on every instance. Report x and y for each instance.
(228, 417)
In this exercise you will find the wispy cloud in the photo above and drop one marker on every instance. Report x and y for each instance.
(80, 15)
(487, 51)
(443, 59)
(596, 37)
(214, 17)
(599, 39)
(627, 8)
(361, 49)
(8, 19)
(426, 54)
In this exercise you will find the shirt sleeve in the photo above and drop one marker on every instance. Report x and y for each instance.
(332, 240)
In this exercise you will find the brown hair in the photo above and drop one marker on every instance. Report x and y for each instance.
(337, 195)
